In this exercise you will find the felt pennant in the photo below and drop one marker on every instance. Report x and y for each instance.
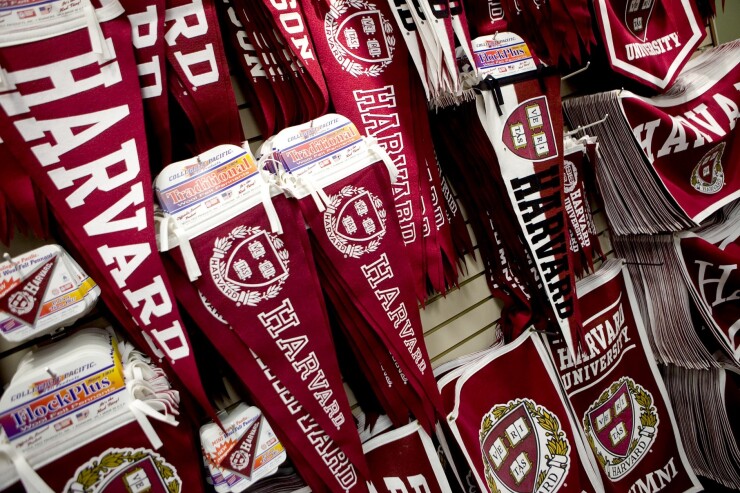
(289, 20)
(147, 36)
(95, 178)
(710, 273)
(295, 427)
(196, 55)
(368, 55)
(342, 184)
(524, 124)
(255, 271)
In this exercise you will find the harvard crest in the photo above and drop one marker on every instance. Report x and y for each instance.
(570, 176)
(528, 131)
(708, 176)
(621, 426)
(125, 470)
(359, 36)
(355, 221)
(524, 450)
(249, 265)
(637, 15)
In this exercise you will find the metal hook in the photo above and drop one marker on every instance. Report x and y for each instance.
(580, 70)
(583, 127)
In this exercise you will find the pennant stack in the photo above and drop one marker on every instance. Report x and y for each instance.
(668, 160)
(652, 260)
(706, 402)
(708, 260)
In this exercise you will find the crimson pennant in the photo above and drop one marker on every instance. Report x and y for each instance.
(525, 128)
(321, 463)
(261, 284)
(28, 210)
(74, 120)
(196, 55)
(147, 33)
(581, 228)
(398, 395)
(359, 46)
(711, 275)
(291, 24)
(359, 238)
(616, 391)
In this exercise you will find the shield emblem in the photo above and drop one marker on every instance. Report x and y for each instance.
(255, 263)
(139, 477)
(363, 37)
(708, 163)
(512, 450)
(528, 131)
(637, 15)
(707, 176)
(358, 219)
(613, 422)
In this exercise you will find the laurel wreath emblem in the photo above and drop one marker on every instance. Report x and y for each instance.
(331, 27)
(556, 442)
(222, 245)
(89, 477)
(648, 416)
(331, 223)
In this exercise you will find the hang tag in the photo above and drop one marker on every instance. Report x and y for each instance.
(321, 143)
(43, 18)
(197, 192)
(42, 290)
(58, 395)
(502, 55)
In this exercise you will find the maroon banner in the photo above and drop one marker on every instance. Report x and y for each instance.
(649, 41)
(405, 460)
(688, 135)
(75, 123)
(617, 392)
(517, 433)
